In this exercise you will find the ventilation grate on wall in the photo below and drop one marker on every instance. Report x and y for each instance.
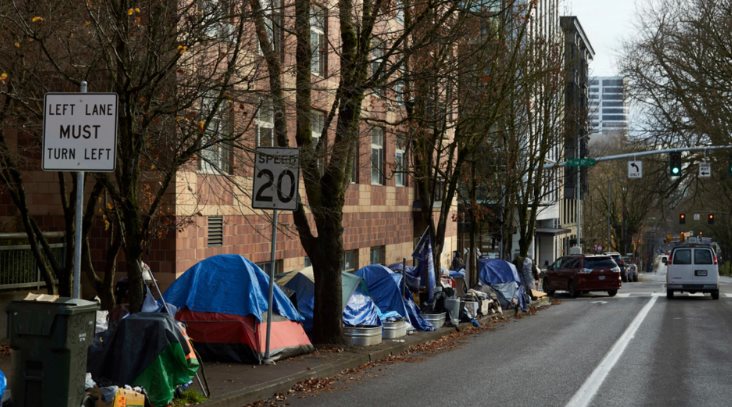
(215, 231)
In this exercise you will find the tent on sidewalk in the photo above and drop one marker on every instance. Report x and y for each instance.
(145, 349)
(385, 287)
(223, 302)
(358, 308)
(503, 277)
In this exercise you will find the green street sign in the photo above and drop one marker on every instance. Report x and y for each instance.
(580, 162)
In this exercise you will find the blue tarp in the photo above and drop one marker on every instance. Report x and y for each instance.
(384, 286)
(360, 309)
(412, 274)
(425, 263)
(503, 277)
(496, 271)
(229, 284)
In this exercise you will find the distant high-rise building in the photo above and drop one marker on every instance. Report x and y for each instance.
(608, 105)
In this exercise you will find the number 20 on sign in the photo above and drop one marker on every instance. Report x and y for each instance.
(276, 178)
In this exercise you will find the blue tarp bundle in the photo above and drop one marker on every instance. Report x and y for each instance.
(229, 284)
(384, 286)
(359, 310)
(412, 274)
(425, 263)
(502, 276)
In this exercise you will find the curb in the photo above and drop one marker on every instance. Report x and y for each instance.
(265, 390)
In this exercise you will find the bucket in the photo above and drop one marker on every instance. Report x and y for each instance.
(452, 305)
(394, 329)
(362, 335)
(437, 320)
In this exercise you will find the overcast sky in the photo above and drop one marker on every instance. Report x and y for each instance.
(606, 23)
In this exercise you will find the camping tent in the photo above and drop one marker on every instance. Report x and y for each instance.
(358, 308)
(223, 301)
(384, 286)
(502, 276)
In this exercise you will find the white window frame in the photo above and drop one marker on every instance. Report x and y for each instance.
(264, 123)
(377, 156)
(215, 158)
(318, 29)
(400, 161)
(317, 123)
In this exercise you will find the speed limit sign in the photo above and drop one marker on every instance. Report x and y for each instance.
(276, 178)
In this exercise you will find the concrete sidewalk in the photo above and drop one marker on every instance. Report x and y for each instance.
(238, 384)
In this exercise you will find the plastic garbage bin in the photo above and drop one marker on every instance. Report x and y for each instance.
(49, 341)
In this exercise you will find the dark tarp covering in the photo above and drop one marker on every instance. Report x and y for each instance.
(412, 274)
(384, 286)
(145, 349)
(503, 277)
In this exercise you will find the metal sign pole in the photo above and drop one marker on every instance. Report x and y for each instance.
(267, 358)
(77, 231)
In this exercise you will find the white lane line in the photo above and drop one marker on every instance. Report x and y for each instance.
(589, 388)
(623, 295)
(728, 295)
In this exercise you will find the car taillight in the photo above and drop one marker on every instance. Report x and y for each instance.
(670, 259)
(714, 259)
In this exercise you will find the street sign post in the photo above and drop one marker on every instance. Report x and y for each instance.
(635, 169)
(79, 131)
(79, 134)
(276, 179)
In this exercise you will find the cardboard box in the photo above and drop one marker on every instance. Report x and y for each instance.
(123, 398)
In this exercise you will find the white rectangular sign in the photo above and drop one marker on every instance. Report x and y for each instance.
(635, 169)
(79, 131)
(276, 178)
(705, 170)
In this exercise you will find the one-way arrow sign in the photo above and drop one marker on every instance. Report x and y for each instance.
(705, 170)
(635, 169)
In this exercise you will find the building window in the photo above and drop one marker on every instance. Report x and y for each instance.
(273, 24)
(399, 91)
(318, 45)
(215, 236)
(378, 255)
(317, 122)
(306, 262)
(266, 266)
(216, 17)
(215, 154)
(399, 12)
(377, 58)
(400, 168)
(350, 261)
(377, 156)
(265, 124)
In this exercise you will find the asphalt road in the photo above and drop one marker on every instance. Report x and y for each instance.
(635, 349)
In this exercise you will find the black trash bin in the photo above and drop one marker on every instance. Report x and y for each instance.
(49, 341)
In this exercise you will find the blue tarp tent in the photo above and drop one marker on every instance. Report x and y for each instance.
(503, 277)
(358, 308)
(223, 302)
(384, 286)
(412, 273)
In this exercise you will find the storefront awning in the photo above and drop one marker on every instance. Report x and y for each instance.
(551, 231)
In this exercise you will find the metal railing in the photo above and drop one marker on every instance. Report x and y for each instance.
(18, 267)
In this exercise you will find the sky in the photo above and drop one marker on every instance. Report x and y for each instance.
(606, 23)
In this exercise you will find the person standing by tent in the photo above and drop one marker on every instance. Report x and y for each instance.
(525, 267)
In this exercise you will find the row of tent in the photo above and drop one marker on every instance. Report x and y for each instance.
(223, 302)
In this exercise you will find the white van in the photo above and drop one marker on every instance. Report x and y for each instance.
(692, 268)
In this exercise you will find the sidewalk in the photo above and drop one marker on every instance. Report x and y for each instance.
(237, 384)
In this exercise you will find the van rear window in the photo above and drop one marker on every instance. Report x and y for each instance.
(702, 256)
(599, 263)
(682, 256)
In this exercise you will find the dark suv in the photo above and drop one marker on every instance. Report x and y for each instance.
(621, 263)
(581, 273)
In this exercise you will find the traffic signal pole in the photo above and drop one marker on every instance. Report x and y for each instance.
(643, 153)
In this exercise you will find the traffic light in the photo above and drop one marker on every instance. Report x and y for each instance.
(674, 161)
(682, 218)
(710, 218)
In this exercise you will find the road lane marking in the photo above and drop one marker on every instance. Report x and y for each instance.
(584, 395)
(728, 295)
(623, 295)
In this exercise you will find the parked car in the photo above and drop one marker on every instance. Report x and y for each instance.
(619, 260)
(582, 273)
(692, 268)
(631, 269)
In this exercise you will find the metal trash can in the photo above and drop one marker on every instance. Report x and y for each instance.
(49, 342)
